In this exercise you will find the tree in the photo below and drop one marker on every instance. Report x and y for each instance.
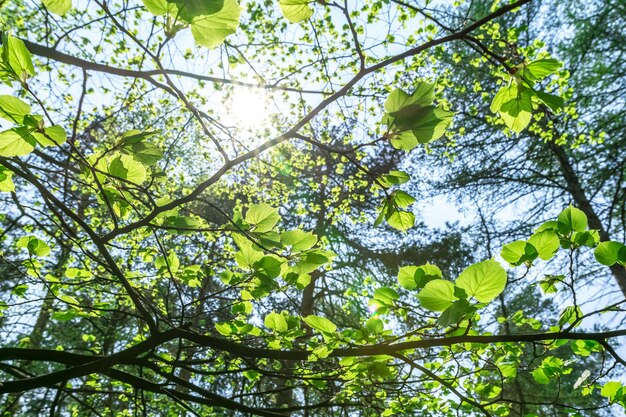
(164, 256)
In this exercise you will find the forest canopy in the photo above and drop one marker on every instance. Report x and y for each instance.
(312, 208)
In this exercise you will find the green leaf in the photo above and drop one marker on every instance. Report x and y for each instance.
(432, 126)
(225, 329)
(540, 377)
(555, 103)
(125, 167)
(311, 260)
(412, 277)
(404, 140)
(374, 325)
(6, 180)
(484, 281)
(394, 178)
(516, 113)
(181, 225)
(541, 68)
(211, 30)
(51, 136)
(144, 152)
(34, 246)
(546, 243)
(401, 220)
(589, 238)
(423, 95)
(402, 199)
(263, 217)
(504, 95)
(16, 142)
(610, 389)
(437, 295)
(248, 254)
(585, 347)
(455, 313)
(188, 9)
(276, 322)
(609, 253)
(386, 295)
(13, 109)
(16, 57)
(58, 7)
(169, 264)
(160, 7)
(296, 10)
(384, 210)
(549, 225)
(518, 252)
(320, 324)
(570, 315)
(269, 266)
(572, 220)
(298, 240)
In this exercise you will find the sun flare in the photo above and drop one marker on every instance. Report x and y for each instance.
(249, 109)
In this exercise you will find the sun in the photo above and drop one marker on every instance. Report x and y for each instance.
(249, 109)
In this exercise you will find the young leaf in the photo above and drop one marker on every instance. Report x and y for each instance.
(402, 199)
(374, 325)
(437, 295)
(394, 178)
(541, 68)
(572, 220)
(555, 103)
(516, 113)
(34, 246)
(182, 225)
(412, 277)
(320, 324)
(263, 217)
(401, 220)
(16, 57)
(386, 295)
(13, 109)
(296, 10)
(160, 7)
(16, 142)
(6, 180)
(484, 281)
(144, 152)
(423, 95)
(269, 266)
(189, 9)
(546, 243)
(298, 240)
(51, 136)
(211, 30)
(125, 167)
(609, 253)
(58, 7)
(455, 313)
(432, 126)
(518, 252)
(276, 322)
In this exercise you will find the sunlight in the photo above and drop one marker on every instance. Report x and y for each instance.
(249, 109)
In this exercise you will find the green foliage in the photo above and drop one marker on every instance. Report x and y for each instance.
(296, 10)
(210, 22)
(412, 118)
(514, 102)
(58, 7)
(164, 253)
